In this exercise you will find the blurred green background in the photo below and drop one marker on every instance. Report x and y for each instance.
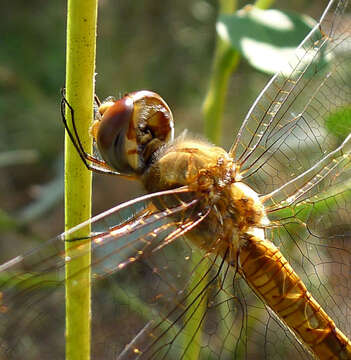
(165, 46)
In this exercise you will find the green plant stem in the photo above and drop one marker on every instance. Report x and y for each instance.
(80, 68)
(224, 62)
(197, 302)
(264, 4)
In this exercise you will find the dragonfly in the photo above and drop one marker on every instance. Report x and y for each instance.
(242, 254)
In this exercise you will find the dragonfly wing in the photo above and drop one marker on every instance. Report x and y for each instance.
(314, 236)
(31, 291)
(215, 315)
(289, 128)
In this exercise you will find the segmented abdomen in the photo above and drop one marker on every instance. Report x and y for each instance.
(273, 279)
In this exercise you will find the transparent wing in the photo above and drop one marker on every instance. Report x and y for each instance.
(288, 129)
(31, 293)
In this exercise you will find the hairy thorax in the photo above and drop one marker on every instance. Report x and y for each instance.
(233, 207)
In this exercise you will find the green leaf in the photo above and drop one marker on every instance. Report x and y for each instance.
(267, 39)
(339, 122)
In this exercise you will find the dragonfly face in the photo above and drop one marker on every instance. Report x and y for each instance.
(131, 129)
(242, 254)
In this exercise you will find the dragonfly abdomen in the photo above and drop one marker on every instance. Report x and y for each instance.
(274, 280)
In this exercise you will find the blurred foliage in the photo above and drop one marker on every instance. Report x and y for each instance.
(251, 33)
(339, 123)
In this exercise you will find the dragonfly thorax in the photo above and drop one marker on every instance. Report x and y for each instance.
(188, 162)
(233, 207)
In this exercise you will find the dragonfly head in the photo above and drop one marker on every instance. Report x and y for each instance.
(129, 130)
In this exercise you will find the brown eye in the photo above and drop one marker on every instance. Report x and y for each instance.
(132, 129)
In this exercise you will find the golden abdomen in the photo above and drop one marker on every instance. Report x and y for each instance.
(272, 278)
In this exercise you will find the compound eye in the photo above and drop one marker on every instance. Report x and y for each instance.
(131, 129)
